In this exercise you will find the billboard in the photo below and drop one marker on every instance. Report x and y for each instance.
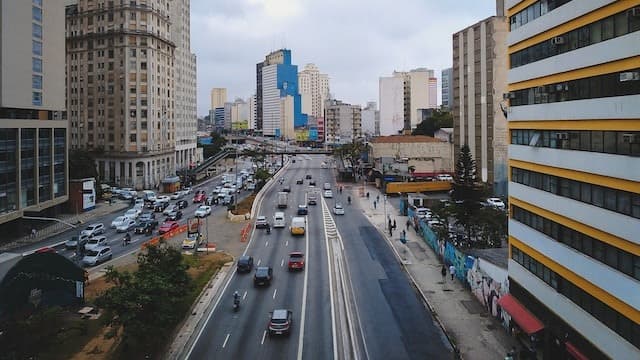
(313, 134)
(193, 226)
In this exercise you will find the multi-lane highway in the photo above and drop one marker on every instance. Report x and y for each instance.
(352, 298)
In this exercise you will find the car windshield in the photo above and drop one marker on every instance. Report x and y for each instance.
(93, 241)
(262, 272)
(296, 256)
(92, 253)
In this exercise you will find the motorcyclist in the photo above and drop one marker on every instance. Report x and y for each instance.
(236, 296)
(349, 199)
(268, 228)
(127, 239)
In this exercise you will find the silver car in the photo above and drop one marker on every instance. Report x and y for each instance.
(97, 255)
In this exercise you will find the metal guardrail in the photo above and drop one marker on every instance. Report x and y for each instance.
(211, 160)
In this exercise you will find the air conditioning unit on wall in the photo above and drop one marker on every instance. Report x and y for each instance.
(558, 40)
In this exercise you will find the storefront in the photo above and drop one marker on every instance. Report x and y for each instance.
(524, 326)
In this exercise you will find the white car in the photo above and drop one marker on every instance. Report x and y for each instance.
(186, 190)
(133, 213)
(118, 221)
(338, 209)
(177, 195)
(328, 194)
(163, 198)
(97, 255)
(423, 213)
(261, 222)
(169, 209)
(93, 229)
(126, 225)
(203, 211)
(496, 203)
(95, 242)
(444, 177)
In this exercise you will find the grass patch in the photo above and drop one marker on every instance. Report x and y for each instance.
(244, 206)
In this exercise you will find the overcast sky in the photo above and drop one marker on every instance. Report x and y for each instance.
(353, 41)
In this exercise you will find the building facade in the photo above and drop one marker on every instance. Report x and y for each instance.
(33, 126)
(239, 115)
(427, 155)
(371, 120)
(314, 90)
(186, 117)
(391, 105)
(574, 169)
(446, 80)
(479, 80)
(218, 97)
(121, 88)
(343, 122)
(252, 112)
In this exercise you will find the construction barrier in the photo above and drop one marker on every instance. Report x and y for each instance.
(169, 234)
(244, 233)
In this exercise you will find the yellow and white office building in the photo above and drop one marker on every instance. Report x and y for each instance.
(573, 106)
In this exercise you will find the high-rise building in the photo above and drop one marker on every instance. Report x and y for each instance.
(447, 78)
(218, 97)
(399, 105)
(370, 120)
(479, 80)
(184, 70)
(239, 115)
(33, 123)
(279, 79)
(121, 88)
(227, 115)
(252, 112)
(574, 169)
(314, 90)
(343, 122)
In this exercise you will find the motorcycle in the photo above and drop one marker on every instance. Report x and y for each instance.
(236, 304)
(126, 240)
(269, 230)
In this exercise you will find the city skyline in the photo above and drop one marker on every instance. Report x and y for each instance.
(246, 30)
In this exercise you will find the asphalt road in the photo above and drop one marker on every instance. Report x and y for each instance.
(394, 322)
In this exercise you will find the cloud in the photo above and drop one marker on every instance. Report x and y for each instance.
(354, 41)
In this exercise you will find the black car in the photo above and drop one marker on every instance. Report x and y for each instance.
(299, 181)
(312, 183)
(263, 276)
(160, 206)
(147, 216)
(174, 215)
(286, 189)
(245, 263)
(303, 210)
(308, 176)
(182, 204)
(146, 227)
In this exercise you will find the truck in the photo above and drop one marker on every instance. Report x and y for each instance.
(282, 200)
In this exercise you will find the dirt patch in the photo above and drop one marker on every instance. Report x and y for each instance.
(244, 206)
(100, 347)
(100, 285)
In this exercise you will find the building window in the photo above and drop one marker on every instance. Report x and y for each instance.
(612, 142)
(36, 65)
(36, 98)
(36, 13)
(36, 47)
(37, 2)
(36, 82)
(36, 31)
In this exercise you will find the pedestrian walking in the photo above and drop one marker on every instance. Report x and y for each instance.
(34, 232)
(394, 224)
(378, 198)
(452, 271)
(408, 223)
(390, 231)
(367, 195)
(375, 205)
(443, 271)
(390, 224)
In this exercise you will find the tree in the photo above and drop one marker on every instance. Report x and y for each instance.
(465, 189)
(218, 142)
(148, 303)
(352, 152)
(82, 165)
(439, 119)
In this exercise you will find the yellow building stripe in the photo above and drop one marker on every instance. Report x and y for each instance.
(595, 70)
(596, 292)
(586, 19)
(605, 237)
(519, 7)
(598, 125)
(607, 181)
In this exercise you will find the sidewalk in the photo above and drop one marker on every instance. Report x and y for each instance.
(56, 228)
(473, 332)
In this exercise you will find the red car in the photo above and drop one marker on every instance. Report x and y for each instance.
(200, 197)
(296, 261)
(167, 226)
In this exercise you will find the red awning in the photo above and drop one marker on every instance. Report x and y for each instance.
(573, 351)
(526, 320)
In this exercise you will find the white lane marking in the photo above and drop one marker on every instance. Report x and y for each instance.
(325, 213)
(264, 335)
(258, 263)
(282, 263)
(304, 296)
(286, 243)
(266, 243)
(225, 340)
(275, 291)
(244, 295)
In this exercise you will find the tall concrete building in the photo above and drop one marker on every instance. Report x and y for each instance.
(121, 88)
(252, 112)
(446, 82)
(33, 121)
(239, 115)
(218, 97)
(278, 79)
(419, 91)
(314, 90)
(343, 122)
(370, 120)
(184, 69)
(479, 80)
(574, 166)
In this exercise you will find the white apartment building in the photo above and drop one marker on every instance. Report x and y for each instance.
(391, 105)
(314, 90)
(121, 88)
(370, 120)
(343, 122)
(271, 115)
(33, 119)
(184, 70)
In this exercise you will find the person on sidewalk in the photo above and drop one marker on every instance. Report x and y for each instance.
(443, 271)
(408, 223)
(452, 271)
(375, 205)
(34, 232)
(394, 224)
